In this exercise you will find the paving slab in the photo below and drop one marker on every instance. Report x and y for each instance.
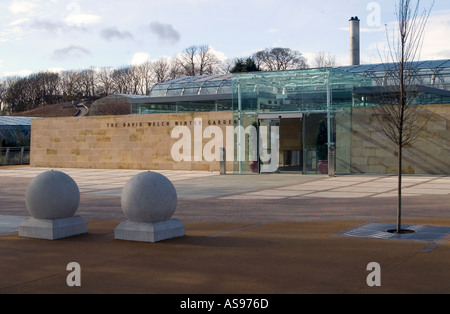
(268, 234)
(10, 223)
(224, 258)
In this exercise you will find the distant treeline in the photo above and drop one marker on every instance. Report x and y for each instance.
(19, 94)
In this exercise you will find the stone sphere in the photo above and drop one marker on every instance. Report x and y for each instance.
(52, 195)
(149, 197)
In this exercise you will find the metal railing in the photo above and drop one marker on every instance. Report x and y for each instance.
(15, 155)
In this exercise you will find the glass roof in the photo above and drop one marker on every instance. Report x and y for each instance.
(15, 130)
(434, 73)
(312, 78)
(296, 90)
(194, 85)
(11, 121)
(363, 68)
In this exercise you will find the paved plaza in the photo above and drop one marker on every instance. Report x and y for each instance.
(274, 233)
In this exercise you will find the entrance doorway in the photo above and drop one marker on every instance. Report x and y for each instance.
(302, 141)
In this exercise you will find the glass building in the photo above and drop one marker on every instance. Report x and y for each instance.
(15, 134)
(302, 105)
(187, 94)
(15, 131)
(305, 107)
(435, 74)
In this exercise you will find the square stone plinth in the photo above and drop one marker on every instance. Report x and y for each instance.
(149, 232)
(52, 229)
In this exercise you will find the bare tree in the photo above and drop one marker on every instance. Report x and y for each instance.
(50, 85)
(198, 60)
(279, 59)
(399, 117)
(71, 87)
(227, 65)
(145, 73)
(26, 93)
(134, 79)
(87, 82)
(121, 78)
(161, 70)
(187, 61)
(2, 94)
(105, 82)
(19, 95)
(324, 60)
(175, 70)
(208, 61)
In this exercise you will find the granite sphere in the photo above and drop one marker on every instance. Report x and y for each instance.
(149, 197)
(52, 195)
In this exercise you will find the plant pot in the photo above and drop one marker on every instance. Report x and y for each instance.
(253, 166)
(322, 166)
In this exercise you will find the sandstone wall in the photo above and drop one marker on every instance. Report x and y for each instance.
(372, 152)
(119, 142)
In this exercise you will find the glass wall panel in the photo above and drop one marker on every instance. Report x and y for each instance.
(225, 87)
(191, 91)
(194, 85)
(319, 94)
(182, 106)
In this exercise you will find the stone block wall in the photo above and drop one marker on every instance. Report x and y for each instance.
(119, 142)
(145, 142)
(372, 152)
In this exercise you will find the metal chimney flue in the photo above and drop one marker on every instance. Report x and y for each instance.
(354, 41)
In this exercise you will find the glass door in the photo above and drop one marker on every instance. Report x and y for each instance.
(268, 145)
(291, 144)
(315, 152)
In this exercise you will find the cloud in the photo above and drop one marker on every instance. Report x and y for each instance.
(165, 33)
(71, 52)
(46, 25)
(82, 19)
(56, 26)
(21, 73)
(433, 48)
(140, 58)
(18, 22)
(21, 6)
(219, 54)
(437, 30)
(77, 18)
(113, 33)
(56, 70)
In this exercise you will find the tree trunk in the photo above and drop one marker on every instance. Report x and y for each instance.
(399, 200)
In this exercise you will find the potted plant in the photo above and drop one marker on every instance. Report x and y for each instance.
(322, 148)
(253, 164)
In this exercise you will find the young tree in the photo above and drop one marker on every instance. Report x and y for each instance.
(399, 117)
